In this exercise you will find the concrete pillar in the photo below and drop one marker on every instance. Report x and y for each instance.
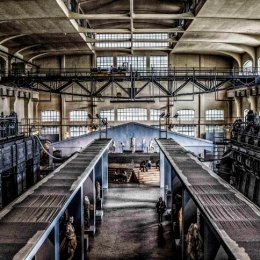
(63, 62)
(94, 60)
(35, 109)
(105, 170)
(238, 102)
(12, 103)
(253, 103)
(64, 129)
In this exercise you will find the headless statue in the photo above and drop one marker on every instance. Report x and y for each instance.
(151, 146)
(71, 238)
(133, 144)
(86, 211)
(98, 189)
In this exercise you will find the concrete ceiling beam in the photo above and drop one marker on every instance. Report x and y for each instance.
(127, 16)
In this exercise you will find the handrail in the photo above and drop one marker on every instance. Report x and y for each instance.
(171, 71)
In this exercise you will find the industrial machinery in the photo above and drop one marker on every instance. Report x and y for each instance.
(19, 160)
(240, 164)
(8, 125)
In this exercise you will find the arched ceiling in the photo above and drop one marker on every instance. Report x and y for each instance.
(32, 28)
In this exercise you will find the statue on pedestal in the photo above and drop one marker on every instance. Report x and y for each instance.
(143, 144)
(151, 146)
(86, 212)
(98, 191)
(133, 144)
(113, 146)
(71, 238)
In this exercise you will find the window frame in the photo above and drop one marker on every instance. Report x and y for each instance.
(132, 114)
(50, 115)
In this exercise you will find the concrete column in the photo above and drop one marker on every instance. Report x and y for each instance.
(63, 62)
(12, 103)
(115, 111)
(105, 170)
(94, 60)
(64, 129)
(148, 62)
(238, 102)
(253, 103)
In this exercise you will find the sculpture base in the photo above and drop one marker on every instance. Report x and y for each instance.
(99, 215)
(99, 204)
(86, 242)
(90, 230)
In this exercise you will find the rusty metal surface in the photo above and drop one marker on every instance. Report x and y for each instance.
(40, 206)
(235, 219)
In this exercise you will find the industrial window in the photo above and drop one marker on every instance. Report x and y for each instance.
(132, 114)
(248, 66)
(155, 114)
(50, 116)
(104, 62)
(78, 115)
(151, 36)
(214, 128)
(113, 36)
(113, 44)
(215, 114)
(150, 44)
(186, 130)
(159, 62)
(108, 114)
(50, 130)
(185, 114)
(77, 131)
(137, 62)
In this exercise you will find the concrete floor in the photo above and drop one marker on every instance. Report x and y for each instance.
(129, 229)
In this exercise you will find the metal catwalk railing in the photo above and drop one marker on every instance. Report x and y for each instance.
(135, 72)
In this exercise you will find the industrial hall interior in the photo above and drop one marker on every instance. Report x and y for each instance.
(129, 129)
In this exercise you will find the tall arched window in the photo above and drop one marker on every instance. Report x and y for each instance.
(248, 67)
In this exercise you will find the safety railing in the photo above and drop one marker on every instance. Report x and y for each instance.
(132, 72)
